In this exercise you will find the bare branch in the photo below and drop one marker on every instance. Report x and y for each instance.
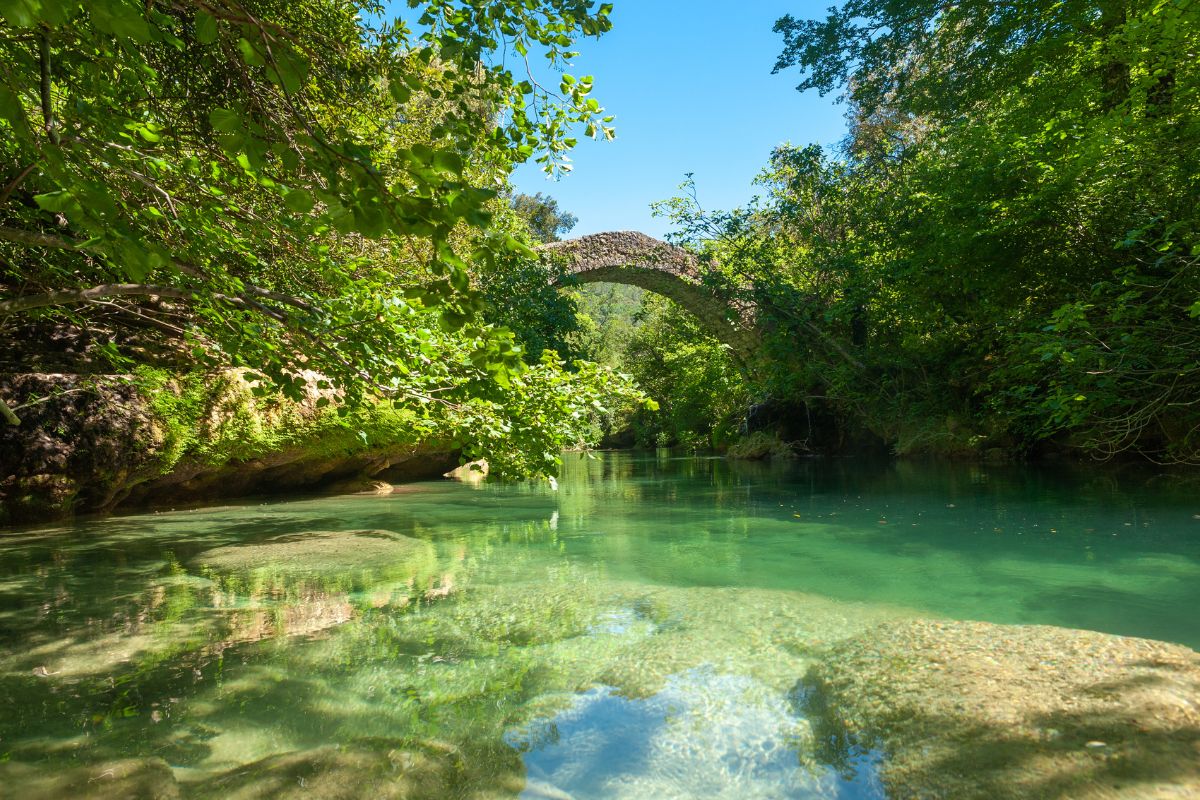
(15, 182)
(44, 86)
(73, 296)
(7, 414)
(36, 239)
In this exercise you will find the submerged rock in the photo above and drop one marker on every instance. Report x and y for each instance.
(321, 552)
(706, 734)
(471, 472)
(974, 710)
(127, 779)
(334, 773)
(368, 770)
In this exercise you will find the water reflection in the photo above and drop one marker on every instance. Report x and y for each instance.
(652, 604)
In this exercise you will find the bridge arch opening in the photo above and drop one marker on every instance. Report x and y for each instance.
(635, 259)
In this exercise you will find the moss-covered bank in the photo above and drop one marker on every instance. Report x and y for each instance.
(95, 443)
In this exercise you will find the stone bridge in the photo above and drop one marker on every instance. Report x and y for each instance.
(639, 260)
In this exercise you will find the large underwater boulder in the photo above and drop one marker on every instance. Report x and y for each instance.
(974, 710)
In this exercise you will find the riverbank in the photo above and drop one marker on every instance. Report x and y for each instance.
(99, 443)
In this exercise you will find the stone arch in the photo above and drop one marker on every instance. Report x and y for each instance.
(636, 259)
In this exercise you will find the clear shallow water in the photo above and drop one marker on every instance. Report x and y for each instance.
(637, 633)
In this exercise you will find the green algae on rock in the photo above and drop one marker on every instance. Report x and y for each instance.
(142, 778)
(95, 443)
(975, 710)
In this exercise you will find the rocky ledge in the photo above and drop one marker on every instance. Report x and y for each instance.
(97, 443)
(973, 710)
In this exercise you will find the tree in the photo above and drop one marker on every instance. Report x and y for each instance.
(524, 295)
(1023, 182)
(285, 186)
(542, 214)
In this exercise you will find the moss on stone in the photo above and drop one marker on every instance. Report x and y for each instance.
(93, 443)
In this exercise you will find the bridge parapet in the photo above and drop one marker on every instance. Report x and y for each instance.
(624, 249)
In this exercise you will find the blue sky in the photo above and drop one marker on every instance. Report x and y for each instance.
(691, 86)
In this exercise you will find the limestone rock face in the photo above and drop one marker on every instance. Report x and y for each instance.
(974, 710)
(95, 443)
(82, 441)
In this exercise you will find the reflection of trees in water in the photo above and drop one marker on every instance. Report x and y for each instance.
(395, 677)
(181, 660)
(128, 640)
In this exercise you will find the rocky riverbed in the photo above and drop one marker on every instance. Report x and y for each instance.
(973, 710)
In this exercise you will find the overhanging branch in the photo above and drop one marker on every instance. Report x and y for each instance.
(67, 297)
(56, 242)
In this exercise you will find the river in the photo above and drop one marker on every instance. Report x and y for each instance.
(639, 632)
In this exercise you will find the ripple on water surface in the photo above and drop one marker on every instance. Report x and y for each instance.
(704, 734)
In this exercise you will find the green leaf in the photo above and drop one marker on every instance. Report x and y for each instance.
(299, 201)
(20, 13)
(62, 201)
(399, 91)
(291, 71)
(13, 112)
(225, 120)
(132, 260)
(250, 54)
(448, 163)
(206, 28)
(122, 20)
(517, 246)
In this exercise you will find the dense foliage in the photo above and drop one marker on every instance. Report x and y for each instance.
(295, 188)
(701, 396)
(1003, 252)
(521, 294)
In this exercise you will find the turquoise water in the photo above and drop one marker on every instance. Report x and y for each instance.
(636, 633)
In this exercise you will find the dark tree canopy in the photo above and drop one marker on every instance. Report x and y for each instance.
(1003, 252)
